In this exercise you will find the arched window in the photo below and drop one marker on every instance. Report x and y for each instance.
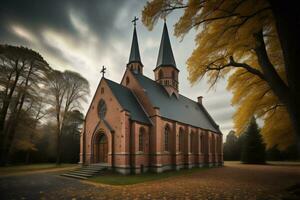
(181, 139)
(173, 75)
(210, 143)
(213, 144)
(191, 142)
(141, 139)
(166, 138)
(127, 80)
(160, 74)
(202, 143)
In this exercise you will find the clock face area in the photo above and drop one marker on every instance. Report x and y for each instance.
(102, 109)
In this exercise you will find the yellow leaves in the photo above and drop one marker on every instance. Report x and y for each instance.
(151, 12)
(277, 129)
(185, 22)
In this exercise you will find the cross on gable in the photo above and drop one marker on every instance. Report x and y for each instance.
(103, 70)
(134, 20)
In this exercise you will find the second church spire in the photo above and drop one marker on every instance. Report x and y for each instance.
(166, 72)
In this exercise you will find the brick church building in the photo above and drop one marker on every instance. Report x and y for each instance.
(142, 124)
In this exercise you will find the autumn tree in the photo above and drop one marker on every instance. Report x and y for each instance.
(253, 43)
(22, 80)
(67, 90)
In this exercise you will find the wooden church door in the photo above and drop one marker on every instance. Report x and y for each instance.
(103, 149)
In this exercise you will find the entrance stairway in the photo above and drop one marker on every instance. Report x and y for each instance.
(86, 172)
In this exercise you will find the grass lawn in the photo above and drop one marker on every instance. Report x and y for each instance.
(114, 178)
(33, 167)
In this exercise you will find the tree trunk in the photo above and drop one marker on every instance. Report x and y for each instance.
(11, 127)
(7, 100)
(3, 114)
(287, 21)
(58, 144)
(27, 159)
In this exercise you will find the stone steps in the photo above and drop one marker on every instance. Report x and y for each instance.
(86, 172)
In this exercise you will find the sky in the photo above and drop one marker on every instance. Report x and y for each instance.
(83, 36)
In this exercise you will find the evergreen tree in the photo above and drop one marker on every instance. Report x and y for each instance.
(253, 150)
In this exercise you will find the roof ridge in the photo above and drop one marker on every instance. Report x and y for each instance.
(118, 84)
(121, 93)
(159, 84)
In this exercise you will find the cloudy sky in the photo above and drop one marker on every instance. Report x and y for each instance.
(84, 35)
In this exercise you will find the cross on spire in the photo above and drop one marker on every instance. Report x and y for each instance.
(134, 20)
(103, 70)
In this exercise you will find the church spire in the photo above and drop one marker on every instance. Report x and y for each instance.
(134, 62)
(135, 52)
(166, 72)
(165, 55)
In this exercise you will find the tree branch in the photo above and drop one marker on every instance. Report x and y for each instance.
(233, 63)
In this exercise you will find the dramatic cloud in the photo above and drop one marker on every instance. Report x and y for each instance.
(84, 35)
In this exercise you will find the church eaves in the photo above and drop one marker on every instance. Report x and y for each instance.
(165, 55)
(135, 52)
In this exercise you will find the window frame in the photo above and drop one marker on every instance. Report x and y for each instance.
(166, 138)
(141, 139)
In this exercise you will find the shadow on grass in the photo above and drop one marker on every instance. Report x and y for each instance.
(114, 178)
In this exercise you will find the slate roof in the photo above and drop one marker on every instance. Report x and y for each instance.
(135, 52)
(182, 109)
(128, 101)
(165, 55)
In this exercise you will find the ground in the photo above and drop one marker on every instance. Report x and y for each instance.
(233, 181)
(22, 169)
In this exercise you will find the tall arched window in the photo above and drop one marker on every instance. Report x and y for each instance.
(210, 143)
(213, 144)
(160, 74)
(141, 139)
(191, 142)
(166, 138)
(202, 143)
(173, 75)
(181, 139)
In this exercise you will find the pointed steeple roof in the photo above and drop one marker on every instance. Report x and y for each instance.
(135, 52)
(165, 55)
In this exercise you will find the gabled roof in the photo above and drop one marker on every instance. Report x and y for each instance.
(181, 109)
(128, 101)
(135, 52)
(165, 55)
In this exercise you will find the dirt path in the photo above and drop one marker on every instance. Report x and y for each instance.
(234, 181)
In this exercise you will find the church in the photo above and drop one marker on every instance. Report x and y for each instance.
(141, 124)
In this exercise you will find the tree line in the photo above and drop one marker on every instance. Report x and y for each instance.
(249, 147)
(38, 104)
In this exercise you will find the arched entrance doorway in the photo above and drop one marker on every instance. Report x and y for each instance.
(101, 149)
